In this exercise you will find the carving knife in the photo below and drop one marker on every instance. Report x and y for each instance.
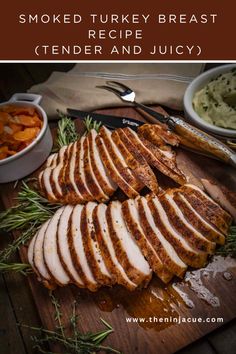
(205, 144)
(110, 121)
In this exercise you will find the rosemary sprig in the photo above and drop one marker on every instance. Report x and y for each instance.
(29, 213)
(229, 249)
(77, 342)
(66, 132)
(22, 268)
(91, 124)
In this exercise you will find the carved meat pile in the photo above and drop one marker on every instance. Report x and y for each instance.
(96, 245)
(92, 168)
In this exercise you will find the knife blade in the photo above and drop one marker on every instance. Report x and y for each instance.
(108, 120)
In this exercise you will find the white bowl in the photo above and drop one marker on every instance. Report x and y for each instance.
(32, 157)
(197, 84)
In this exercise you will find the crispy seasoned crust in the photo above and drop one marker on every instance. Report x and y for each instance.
(204, 227)
(193, 237)
(48, 249)
(117, 276)
(107, 188)
(222, 195)
(207, 208)
(62, 245)
(72, 233)
(89, 250)
(188, 255)
(133, 273)
(158, 134)
(120, 164)
(144, 244)
(113, 172)
(140, 168)
(154, 158)
(154, 239)
(82, 187)
(56, 171)
(91, 182)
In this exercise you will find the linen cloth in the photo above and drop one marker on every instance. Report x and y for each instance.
(154, 83)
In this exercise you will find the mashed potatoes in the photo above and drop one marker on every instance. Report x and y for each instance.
(216, 102)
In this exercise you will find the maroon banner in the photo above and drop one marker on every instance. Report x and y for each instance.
(121, 30)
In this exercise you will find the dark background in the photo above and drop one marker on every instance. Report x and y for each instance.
(21, 76)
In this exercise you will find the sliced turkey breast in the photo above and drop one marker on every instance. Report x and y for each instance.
(50, 251)
(51, 160)
(55, 173)
(91, 181)
(195, 219)
(126, 249)
(206, 207)
(77, 250)
(79, 175)
(107, 249)
(112, 170)
(192, 235)
(91, 247)
(63, 246)
(221, 195)
(153, 157)
(132, 221)
(73, 195)
(38, 258)
(46, 186)
(64, 173)
(118, 159)
(186, 252)
(139, 166)
(46, 182)
(99, 169)
(159, 134)
(165, 250)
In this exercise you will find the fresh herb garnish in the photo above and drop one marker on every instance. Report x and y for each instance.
(66, 132)
(29, 213)
(22, 268)
(229, 249)
(91, 124)
(76, 342)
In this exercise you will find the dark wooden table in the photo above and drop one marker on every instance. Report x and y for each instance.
(16, 302)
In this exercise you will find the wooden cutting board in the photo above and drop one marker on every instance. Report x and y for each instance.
(205, 293)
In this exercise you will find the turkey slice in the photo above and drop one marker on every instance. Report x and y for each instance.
(107, 248)
(177, 219)
(91, 246)
(99, 169)
(137, 164)
(91, 181)
(127, 251)
(165, 250)
(186, 252)
(50, 251)
(78, 252)
(113, 171)
(132, 220)
(63, 246)
(195, 219)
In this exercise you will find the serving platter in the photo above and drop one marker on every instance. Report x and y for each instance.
(205, 293)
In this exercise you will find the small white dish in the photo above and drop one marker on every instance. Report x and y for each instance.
(197, 84)
(33, 156)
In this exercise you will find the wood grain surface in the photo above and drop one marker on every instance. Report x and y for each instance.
(206, 294)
